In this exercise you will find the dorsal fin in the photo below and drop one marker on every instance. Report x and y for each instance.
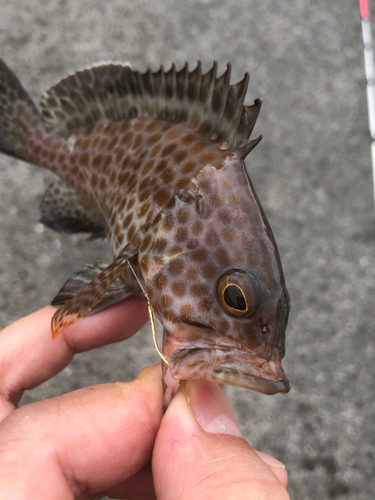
(207, 103)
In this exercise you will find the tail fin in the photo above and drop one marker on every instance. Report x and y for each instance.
(18, 113)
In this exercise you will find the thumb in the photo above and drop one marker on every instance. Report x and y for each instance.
(200, 452)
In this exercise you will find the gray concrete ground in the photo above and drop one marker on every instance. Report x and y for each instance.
(312, 173)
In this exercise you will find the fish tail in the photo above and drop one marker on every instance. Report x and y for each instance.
(19, 116)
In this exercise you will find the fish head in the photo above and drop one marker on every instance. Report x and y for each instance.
(215, 281)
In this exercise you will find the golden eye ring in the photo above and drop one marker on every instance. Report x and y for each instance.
(234, 299)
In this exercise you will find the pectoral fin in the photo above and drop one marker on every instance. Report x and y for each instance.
(89, 297)
(92, 293)
(123, 287)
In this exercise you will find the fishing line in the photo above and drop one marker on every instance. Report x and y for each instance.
(151, 315)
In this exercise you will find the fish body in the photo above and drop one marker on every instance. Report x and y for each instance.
(156, 162)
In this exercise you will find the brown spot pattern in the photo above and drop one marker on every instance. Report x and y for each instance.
(132, 169)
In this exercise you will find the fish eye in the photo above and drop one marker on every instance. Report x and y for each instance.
(234, 298)
(240, 292)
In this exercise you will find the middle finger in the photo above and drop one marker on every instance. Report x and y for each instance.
(29, 356)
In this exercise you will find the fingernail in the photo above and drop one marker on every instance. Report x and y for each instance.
(211, 408)
(272, 462)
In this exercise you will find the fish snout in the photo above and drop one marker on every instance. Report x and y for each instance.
(197, 351)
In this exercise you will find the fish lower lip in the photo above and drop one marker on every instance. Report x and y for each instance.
(229, 366)
(196, 324)
(247, 381)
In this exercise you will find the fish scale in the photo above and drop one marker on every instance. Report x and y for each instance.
(156, 162)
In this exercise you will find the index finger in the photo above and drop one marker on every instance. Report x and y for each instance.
(29, 356)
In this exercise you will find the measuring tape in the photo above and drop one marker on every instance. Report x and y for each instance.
(370, 77)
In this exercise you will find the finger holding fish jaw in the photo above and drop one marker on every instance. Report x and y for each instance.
(196, 448)
(200, 452)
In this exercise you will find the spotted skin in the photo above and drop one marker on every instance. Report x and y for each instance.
(159, 162)
(66, 212)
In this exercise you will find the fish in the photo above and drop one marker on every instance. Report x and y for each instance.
(155, 162)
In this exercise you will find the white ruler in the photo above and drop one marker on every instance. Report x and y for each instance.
(370, 77)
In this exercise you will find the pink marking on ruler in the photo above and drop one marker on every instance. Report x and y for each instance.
(365, 12)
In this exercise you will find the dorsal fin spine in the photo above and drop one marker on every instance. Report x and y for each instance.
(194, 83)
(253, 114)
(225, 89)
(208, 80)
(186, 79)
(174, 90)
(242, 89)
(207, 103)
(248, 146)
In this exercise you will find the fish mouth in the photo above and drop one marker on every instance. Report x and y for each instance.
(229, 366)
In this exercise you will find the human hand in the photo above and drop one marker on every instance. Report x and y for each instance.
(100, 440)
